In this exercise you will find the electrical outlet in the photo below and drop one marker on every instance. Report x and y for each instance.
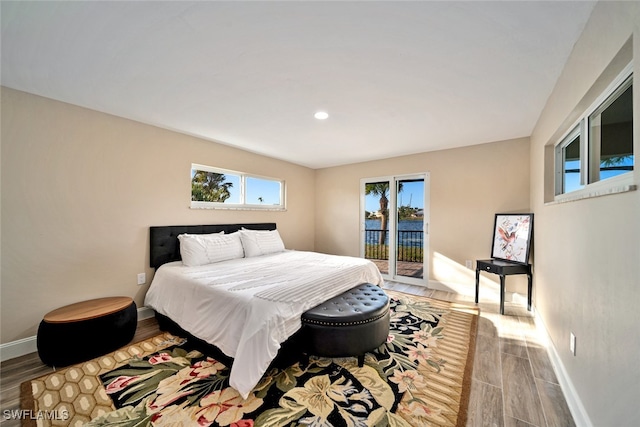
(469, 264)
(572, 343)
(142, 278)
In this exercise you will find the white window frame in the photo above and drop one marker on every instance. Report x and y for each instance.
(594, 149)
(576, 132)
(242, 205)
(592, 185)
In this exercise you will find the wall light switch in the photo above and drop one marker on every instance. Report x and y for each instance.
(142, 278)
(469, 264)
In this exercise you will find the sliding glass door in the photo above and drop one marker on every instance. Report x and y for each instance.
(375, 223)
(394, 226)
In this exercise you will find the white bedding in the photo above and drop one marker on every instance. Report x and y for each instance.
(247, 307)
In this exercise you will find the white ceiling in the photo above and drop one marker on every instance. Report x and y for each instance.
(395, 77)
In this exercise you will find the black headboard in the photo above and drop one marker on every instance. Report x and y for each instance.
(165, 246)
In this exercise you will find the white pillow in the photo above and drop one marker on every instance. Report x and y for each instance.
(260, 242)
(202, 249)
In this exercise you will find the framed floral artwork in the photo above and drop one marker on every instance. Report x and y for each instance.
(512, 237)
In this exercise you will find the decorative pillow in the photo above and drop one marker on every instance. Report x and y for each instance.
(202, 249)
(260, 242)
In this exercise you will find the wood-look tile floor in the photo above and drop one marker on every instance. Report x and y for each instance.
(513, 382)
(15, 371)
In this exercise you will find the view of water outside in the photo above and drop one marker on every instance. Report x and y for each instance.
(405, 239)
(411, 203)
(412, 194)
(409, 238)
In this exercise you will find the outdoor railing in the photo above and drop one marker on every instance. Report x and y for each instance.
(410, 245)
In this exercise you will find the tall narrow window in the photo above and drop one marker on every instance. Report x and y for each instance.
(570, 158)
(611, 134)
(394, 234)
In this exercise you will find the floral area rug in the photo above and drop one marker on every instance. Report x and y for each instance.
(419, 377)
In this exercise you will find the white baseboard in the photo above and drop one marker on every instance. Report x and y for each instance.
(29, 345)
(517, 298)
(508, 297)
(18, 348)
(576, 407)
(439, 286)
(145, 313)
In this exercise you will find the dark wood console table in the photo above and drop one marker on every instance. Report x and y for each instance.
(504, 268)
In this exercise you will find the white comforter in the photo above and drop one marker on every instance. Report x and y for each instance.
(247, 307)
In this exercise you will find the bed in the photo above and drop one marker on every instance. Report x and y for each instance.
(247, 302)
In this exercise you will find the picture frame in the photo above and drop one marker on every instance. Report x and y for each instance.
(512, 237)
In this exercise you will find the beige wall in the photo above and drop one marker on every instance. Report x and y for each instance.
(80, 190)
(468, 187)
(587, 252)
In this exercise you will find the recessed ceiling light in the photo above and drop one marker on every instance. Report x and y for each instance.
(321, 115)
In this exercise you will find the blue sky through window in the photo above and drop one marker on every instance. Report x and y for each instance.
(412, 191)
(625, 165)
(572, 175)
(258, 191)
(572, 172)
(263, 191)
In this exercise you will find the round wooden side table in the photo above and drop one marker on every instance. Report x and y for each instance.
(85, 330)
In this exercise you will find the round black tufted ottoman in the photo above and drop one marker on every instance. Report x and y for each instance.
(349, 324)
(79, 332)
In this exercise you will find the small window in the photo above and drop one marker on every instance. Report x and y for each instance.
(600, 146)
(224, 189)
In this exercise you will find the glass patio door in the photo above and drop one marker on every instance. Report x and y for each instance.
(394, 225)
